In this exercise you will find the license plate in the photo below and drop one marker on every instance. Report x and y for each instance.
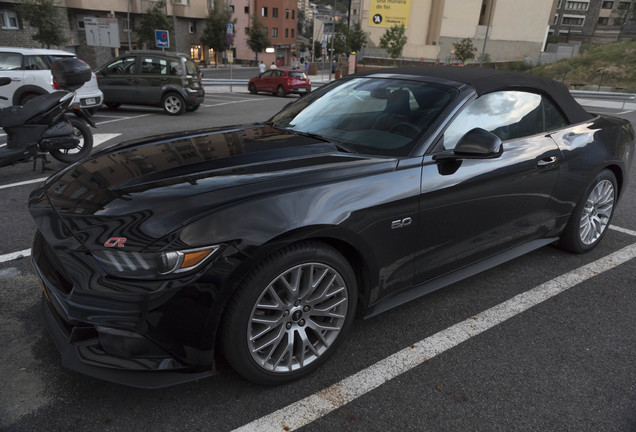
(302, 90)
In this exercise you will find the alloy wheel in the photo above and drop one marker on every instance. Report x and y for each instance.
(297, 317)
(597, 212)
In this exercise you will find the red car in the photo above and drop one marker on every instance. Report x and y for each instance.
(280, 82)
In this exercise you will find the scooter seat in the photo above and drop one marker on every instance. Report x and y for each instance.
(19, 115)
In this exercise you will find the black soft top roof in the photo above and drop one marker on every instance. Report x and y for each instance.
(490, 80)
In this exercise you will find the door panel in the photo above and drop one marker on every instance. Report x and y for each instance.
(474, 208)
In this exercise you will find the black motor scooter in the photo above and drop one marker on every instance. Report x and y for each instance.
(44, 123)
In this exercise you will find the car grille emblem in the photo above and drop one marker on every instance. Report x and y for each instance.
(115, 241)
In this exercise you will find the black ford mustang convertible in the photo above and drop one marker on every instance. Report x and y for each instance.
(263, 241)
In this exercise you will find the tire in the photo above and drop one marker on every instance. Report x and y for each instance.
(252, 89)
(280, 91)
(112, 105)
(307, 322)
(173, 104)
(591, 216)
(83, 132)
(193, 108)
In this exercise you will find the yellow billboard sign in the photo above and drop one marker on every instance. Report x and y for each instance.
(387, 13)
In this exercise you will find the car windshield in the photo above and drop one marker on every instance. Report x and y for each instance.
(369, 115)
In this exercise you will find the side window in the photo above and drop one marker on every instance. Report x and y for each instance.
(124, 65)
(507, 114)
(154, 65)
(553, 117)
(267, 74)
(10, 61)
(35, 62)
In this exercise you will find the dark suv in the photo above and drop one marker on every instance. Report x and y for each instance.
(170, 80)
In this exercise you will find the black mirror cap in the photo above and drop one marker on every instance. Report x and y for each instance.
(478, 143)
(4, 80)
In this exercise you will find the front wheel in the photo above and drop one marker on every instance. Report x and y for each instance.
(289, 314)
(592, 215)
(280, 91)
(252, 89)
(173, 104)
(83, 133)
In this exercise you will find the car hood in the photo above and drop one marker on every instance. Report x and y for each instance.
(163, 183)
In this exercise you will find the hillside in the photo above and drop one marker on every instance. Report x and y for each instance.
(615, 63)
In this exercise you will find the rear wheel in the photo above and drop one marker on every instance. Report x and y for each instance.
(592, 215)
(252, 88)
(173, 104)
(289, 314)
(84, 135)
(280, 91)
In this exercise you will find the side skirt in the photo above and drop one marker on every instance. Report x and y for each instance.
(456, 276)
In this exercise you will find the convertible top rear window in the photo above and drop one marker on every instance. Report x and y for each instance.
(369, 115)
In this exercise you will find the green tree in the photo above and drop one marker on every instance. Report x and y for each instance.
(393, 41)
(257, 38)
(44, 16)
(357, 39)
(340, 44)
(464, 50)
(317, 49)
(155, 18)
(214, 34)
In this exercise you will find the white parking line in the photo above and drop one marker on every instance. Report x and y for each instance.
(305, 411)
(15, 255)
(22, 183)
(123, 118)
(623, 230)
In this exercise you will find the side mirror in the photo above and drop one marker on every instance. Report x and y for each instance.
(478, 144)
(4, 81)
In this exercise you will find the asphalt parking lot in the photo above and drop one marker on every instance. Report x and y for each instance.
(543, 342)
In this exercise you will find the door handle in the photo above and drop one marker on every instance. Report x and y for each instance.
(16, 79)
(547, 161)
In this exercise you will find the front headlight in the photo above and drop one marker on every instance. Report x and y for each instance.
(152, 264)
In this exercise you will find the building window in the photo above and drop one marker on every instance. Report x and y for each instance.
(247, 30)
(603, 20)
(192, 27)
(573, 20)
(263, 11)
(293, 14)
(577, 5)
(608, 4)
(292, 33)
(556, 19)
(125, 25)
(274, 12)
(246, 9)
(80, 24)
(9, 20)
(286, 33)
(286, 13)
(274, 32)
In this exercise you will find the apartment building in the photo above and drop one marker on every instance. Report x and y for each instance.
(188, 22)
(599, 20)
(515, 29)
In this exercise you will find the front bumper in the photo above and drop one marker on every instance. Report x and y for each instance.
(86, 357)
(147, 340)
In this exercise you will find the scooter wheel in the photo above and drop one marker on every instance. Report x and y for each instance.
(85, 136)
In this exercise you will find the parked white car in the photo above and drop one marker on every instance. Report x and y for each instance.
(30, 73)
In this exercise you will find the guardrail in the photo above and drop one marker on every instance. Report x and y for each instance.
(613, 96)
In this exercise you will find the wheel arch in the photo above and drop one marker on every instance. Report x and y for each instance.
(618, 173)
(344, 242)
(27, 89)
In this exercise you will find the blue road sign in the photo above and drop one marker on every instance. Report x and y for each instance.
(162, 40)
(229, 29)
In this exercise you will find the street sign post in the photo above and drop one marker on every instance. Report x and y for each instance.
(162, 39)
